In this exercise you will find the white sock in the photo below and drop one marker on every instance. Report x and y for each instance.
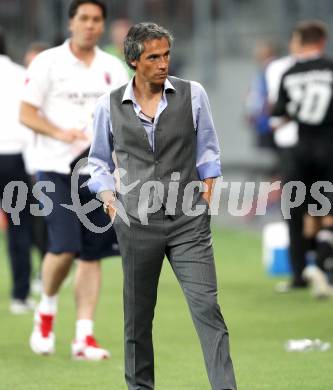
(48, 305)
(84, 328)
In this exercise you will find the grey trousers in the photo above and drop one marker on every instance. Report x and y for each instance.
(186, 241)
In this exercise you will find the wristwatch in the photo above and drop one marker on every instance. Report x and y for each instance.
(106, 206)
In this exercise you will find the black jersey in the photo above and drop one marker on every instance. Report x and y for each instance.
(305, 95)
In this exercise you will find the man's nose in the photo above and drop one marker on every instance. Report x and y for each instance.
(163, 64)
(89, 24)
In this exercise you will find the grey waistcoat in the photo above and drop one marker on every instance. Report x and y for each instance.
(174, 151)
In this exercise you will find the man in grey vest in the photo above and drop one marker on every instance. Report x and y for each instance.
(153, 161)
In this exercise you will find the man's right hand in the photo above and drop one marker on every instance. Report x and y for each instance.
(30, 117)
(70, 135)
(112, 213)
(108, 198)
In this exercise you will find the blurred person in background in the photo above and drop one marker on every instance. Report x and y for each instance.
(256, 105)
(39, 229)
(117, 34)
(286, 138)
(305, 96)
(13, 141)
(258, 114)
(61, 90)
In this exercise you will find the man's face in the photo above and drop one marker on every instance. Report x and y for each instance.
(153, 64)
(87, 25)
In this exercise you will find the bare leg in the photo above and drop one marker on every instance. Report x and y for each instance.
(54, 270)
(327, 221)
(87, 287)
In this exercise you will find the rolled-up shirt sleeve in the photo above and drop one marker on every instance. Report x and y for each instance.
(208, 151)
(100, 162)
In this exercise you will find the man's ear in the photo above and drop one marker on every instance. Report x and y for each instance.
(134, 63)
(69, 25)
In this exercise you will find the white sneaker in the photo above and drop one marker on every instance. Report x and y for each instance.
(18, 306)
(42, 339)
(282, 287)
(318, 281)
(88, 349)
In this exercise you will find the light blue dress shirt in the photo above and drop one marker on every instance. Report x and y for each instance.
(101, 164)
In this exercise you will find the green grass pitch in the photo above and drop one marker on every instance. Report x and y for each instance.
(259, 321)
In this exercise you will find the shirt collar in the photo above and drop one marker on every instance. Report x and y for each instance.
(72, 58)
(129, 91)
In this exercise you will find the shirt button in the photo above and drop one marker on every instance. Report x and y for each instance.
(157, 162)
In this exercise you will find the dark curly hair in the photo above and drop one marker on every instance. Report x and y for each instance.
(137, 35)
(75, 4)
